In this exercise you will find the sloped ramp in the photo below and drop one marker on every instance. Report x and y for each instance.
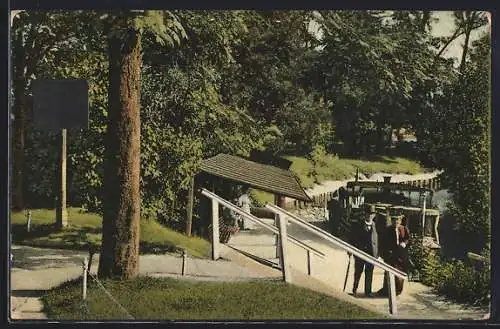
(258, 244)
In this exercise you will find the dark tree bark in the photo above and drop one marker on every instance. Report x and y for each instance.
(19, 124)
(121, 220)
(468, 29)
(381, 134)
(189, 215)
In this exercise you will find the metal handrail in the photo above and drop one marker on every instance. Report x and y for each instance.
(260, 222)
(338, 242)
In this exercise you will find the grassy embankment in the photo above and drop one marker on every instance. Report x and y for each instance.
(332, 168)
(170, 299)
(86, 229)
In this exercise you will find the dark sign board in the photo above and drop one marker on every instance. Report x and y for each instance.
(59, 104)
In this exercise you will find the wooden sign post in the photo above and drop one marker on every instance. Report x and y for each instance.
(59, 105)
(61, 209)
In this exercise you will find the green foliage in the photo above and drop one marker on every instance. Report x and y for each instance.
(260, 198)
(178, 128)
(318, 160)
(163, 25)
(465, 284)
(456, 138)
(181, 128)
(369, 67)
(171, 299)
(267, 78)
(455, 279)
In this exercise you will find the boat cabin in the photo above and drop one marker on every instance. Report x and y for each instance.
(413, 203)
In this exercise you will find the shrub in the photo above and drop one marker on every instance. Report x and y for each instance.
(466, 284)
(454, 279)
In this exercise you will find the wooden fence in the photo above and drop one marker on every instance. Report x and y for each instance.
(321, 200)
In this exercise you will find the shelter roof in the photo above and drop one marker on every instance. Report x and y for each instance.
(260, 176)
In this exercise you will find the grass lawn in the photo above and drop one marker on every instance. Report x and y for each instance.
(332, 168)
(86, 228)
(171, 299)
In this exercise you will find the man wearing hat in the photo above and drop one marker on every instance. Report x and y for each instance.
(364, 237)
(395, 252)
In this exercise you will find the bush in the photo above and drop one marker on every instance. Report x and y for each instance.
(454, 279)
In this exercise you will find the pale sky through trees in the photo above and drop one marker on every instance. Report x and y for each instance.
(445, 27)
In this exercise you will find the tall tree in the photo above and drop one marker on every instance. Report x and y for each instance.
(369, 65)
(121, 220)
(455, 136)
(186, 116)
(268, 78)
(467, 21)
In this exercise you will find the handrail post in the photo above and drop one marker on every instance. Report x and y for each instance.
(393, 309)
(277, 240)
(84, 278)
(28, 221)
(215, 230)
(278, 200)
(283, 250)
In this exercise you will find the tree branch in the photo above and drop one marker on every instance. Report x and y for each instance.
(456, 35)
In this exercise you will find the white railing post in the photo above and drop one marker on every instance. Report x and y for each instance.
(28, 221)
(283, 250)
(393, 309)
(84, 288)
(276, 236)
(215, 230)
(423, 214)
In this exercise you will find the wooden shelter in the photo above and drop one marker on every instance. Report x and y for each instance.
(264, 177)
(278, 181)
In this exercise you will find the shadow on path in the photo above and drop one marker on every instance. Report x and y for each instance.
(28, 293)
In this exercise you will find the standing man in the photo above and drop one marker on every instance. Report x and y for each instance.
(395, 252)
(364, 237)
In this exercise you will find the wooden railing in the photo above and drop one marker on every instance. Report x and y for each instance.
(284, 238)
(281, 232)
(390, 270)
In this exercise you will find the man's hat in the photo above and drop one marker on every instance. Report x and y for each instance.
(369, 219)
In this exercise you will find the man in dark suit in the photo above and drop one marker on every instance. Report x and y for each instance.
(395, 253)
(364, 237)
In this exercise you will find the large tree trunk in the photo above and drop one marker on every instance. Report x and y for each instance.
(121, 222)
(18, 127)
(381, 136)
